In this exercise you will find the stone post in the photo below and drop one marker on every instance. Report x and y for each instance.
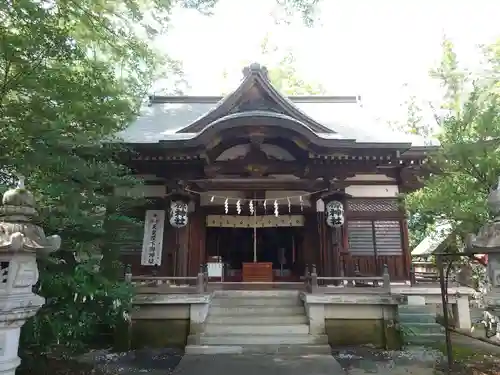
(21, 242)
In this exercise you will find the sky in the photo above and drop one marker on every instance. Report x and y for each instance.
(357, 47)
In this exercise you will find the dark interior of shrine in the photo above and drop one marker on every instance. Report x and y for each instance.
(277, 245)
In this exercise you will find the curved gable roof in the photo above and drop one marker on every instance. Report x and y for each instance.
(255, 93)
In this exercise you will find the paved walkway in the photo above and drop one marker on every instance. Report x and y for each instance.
(258, 364)
(472, 343)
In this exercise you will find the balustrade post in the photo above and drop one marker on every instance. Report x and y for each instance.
(200, 282)
(204, 267)
(306, 278)
(357, 273)
(413, 279)
(386, 278)
(128, 274)
(314, 279)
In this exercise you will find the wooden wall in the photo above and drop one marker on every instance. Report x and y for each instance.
(328, 248)
(389, 238)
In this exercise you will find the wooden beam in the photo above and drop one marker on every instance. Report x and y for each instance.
(258, 184)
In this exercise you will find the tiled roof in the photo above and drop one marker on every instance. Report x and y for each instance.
(432, 242)
(161, 121)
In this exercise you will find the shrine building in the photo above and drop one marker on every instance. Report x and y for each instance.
(263, 185)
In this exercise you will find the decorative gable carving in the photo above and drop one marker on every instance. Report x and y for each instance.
(255, 93)
(256, 100)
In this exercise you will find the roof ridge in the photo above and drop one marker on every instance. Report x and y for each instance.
(341, 99)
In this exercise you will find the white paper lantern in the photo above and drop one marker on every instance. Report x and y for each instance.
(178, 214)
(334, 214)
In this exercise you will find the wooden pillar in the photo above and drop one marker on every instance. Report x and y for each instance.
(324, 233)
(406, 248)
(347, 258)
(182, 246)
(310, 246)
(169, 250)
(336, 238)
(196, 245)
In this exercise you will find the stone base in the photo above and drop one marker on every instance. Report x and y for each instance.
(157, 333)
(342, 332)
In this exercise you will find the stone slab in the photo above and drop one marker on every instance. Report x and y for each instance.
(416, 300)
(251, 364)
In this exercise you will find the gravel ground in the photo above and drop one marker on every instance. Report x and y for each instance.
(367, 360)
(471, 358)
(151, 361)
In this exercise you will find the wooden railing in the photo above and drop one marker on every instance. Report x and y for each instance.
(341, 285)
(429, 275)
(169, 284)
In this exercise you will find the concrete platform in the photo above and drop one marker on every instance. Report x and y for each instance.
(251, 364)
(288, 350)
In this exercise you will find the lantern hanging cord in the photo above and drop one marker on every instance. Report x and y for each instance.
(214, 196)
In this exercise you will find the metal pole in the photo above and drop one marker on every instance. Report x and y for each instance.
(444, 301)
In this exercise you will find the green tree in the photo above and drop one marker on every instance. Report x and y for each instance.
(307, 10)
(74, 74)
(282, 70)
(466, 165)
(414, 123)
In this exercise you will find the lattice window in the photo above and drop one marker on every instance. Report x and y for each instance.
(360, 235)
(367, 237)
(373, 205)
(388, 237)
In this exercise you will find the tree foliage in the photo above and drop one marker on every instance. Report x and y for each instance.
(466, 166)
(282, 70)
(414, 122)
(73, 74)
(306, 9)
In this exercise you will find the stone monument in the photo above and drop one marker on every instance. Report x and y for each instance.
(21, 241)
(487, 241)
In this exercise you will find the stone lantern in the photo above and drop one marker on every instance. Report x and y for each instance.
(487, 241)
(21, 241)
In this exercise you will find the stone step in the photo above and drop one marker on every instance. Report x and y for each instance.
(256, 293)
(416, 309)
(429, 338)
(276, 329)
(258, 319)
(423, 328)
(256, 310)
(416, 318)
(259, 349)
(243, 340)
(256, 301)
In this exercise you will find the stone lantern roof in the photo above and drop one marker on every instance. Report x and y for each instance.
(17, 232)
(488, 238)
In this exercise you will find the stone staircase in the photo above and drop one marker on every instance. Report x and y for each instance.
(257, 321)
(419, 324)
